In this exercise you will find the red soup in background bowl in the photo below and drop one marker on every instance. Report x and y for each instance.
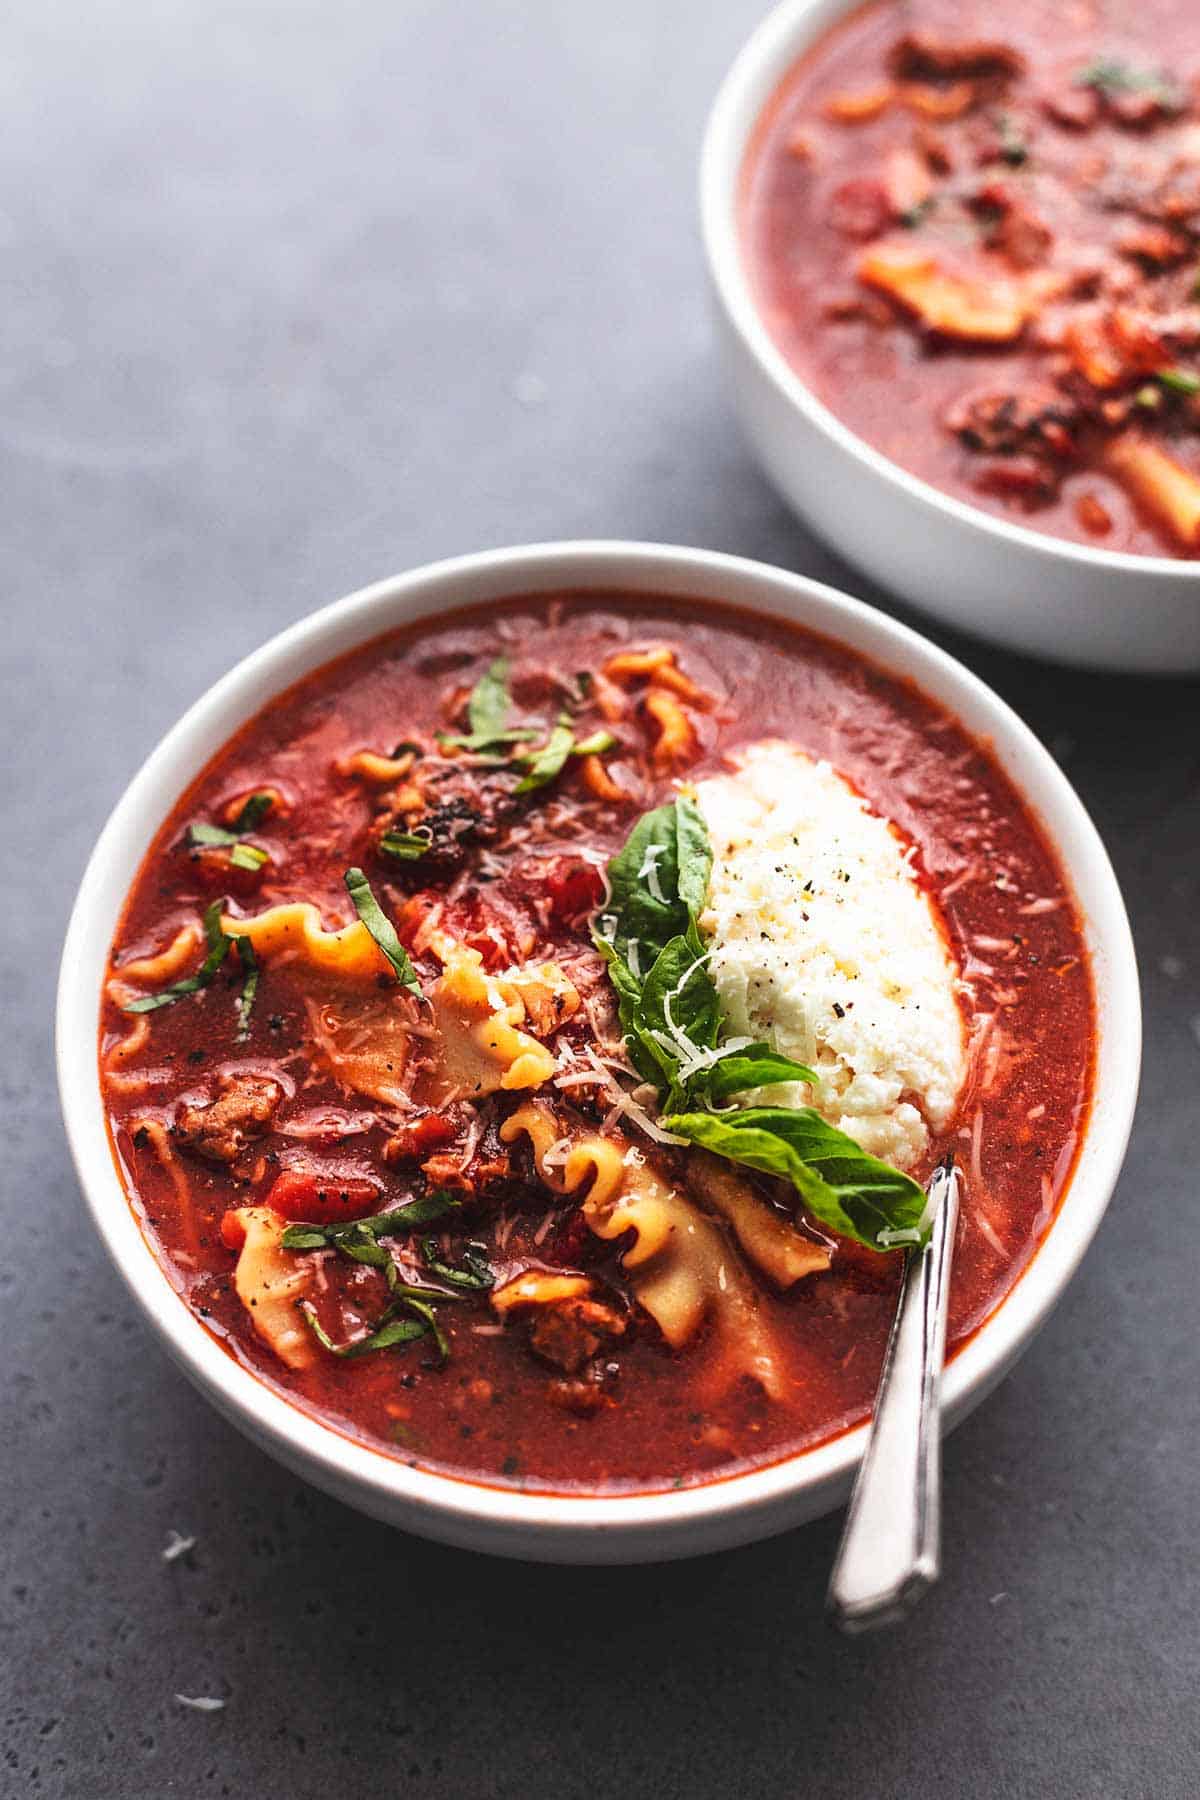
(965, 248)
(389, 1152)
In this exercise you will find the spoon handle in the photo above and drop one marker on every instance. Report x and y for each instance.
(890, 1551)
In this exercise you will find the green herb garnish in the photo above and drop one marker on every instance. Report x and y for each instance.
(674, 1035)
(487, 710)
(475, 1272)
(1180, 381)
(545, 764)
(416, 1300)
(202, 836)
(247, 856)
(381, 928)
(245, 1005)
(254, 810)
(218, 950)
(851, 1192)
(389, 1334)
(406, 846)
(424, 1211)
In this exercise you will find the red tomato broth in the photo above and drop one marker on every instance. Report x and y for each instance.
(486, 1414)
(1091, 196)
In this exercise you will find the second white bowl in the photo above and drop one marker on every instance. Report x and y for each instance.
(1102, 609)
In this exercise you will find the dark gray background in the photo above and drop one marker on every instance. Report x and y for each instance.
(294, 296)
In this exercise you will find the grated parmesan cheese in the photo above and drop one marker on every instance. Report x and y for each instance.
(823, 943)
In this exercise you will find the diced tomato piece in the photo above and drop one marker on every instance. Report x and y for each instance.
(218, 875)
(574, 885)
(316, 1199)
(233, 1229)
(860, 208)
(420, 1136)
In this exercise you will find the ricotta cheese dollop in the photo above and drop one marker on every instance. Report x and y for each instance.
(824, 944)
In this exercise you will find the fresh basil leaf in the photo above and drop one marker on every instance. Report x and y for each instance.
(475, 1272)
(544, 764)
(202, 836)
(657, 882)
(853, 1193)
(211, 837)
(381, 928)
(487, 708)
(430, 1322)
(754, 1067)
(596, 745)
(677, 1012)
(361, 1246)
(247, 856)
(305, 1237)
(253, 812)
(416, 1300)
(1180, 381)
(386, 1336)
(406, 846)
(245, 1004)
(218, 950)
(423, 1211)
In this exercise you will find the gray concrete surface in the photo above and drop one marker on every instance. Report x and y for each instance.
(295, 296)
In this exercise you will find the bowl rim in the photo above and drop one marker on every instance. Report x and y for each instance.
(749, 85)
(460, 1505)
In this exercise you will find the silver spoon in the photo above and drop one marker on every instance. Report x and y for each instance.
(890, 1552)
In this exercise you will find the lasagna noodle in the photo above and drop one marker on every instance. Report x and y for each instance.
(681, 1266)
(295, 927)
(481, 1044)
(271, 1282)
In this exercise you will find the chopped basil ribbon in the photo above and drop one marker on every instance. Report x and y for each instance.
(381, 929)
(545, 764)
(675, 1037)
(202, 836)
(218, 950)
(254, 811)
(387, 1335)
(475, 1272)
(388, 1224)
(406, 846)
(212, 837)
(416, 1300)
(488, 705)
(1180, 381)
(487, 710)
(596, 745)
(490, 737)
(247, 856)
(245, 1005)
(359, 1241)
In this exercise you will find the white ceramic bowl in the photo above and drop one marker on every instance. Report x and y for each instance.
(1103, 609)
(622, 1528)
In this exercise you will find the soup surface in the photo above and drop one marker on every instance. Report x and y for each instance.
(975, 234)
(386, 1077)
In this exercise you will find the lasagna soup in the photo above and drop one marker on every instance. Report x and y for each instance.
(975, 234)
(526, 1044)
